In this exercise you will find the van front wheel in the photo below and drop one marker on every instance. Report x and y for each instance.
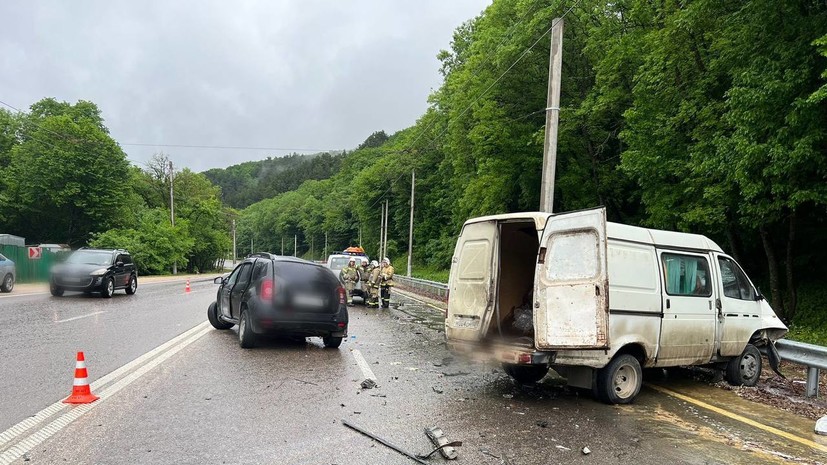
(525, 374)
(619, 382)
(745, 369)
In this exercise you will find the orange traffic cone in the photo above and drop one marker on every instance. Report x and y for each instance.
(187, 289)
(81, 393)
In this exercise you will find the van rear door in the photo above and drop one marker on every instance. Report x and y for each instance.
(571, 283)
(471, 281)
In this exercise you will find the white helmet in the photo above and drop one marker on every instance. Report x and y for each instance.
(386, 261)
(374, 263)
(364, 261)
(352, 260)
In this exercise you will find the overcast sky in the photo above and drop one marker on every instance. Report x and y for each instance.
(296, 74)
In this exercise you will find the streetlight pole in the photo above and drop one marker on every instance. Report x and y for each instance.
(172, 210)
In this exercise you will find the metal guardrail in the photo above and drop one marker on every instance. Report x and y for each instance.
(431, 287)
(810, 355)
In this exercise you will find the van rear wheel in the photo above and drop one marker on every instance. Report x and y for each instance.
(745, 369)
(620, 381)
(525, 374)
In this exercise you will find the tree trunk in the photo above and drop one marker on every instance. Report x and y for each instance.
(732, 238)
(777, 302)
(792, 297)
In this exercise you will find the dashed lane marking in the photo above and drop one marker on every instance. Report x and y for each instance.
(363, 365)
(81, 316)
(128, 374)
(742, 419)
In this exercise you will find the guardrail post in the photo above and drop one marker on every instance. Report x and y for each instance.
(812, 381)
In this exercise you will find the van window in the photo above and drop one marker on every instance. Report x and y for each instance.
(686, 275)
(573, 256)
(735, 282)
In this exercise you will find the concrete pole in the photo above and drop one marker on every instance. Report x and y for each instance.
(295, 245)
(234, 249)
(387, 226)
(325, 245)
(172, 210)
(410, 228)
(381, 228)
(552, 116)
(282, 245)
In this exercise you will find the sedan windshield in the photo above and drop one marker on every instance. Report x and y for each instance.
(90, 258)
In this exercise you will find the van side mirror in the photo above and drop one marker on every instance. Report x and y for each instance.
(759, 295)
(218, 280)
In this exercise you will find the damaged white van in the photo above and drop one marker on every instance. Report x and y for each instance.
(599, 301)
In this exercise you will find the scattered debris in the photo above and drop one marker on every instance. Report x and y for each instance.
(486, 452)
(562, 447)
(396, 363)
(542, 424)
(368, 383)
(437, 390)
(384, 443)
(508, 396)
(378, 395)
(586, 451)
(446, 448)
(305, 382)
(455, 373)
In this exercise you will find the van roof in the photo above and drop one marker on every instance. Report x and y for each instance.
(620, 231)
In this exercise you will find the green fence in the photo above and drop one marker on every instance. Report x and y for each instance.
(30, 271)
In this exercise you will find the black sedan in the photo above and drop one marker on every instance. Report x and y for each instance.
(271, 294)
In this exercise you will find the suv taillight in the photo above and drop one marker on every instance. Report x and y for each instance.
(267, 289)
(342, 295)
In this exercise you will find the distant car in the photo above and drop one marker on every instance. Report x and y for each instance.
(95, 270)
(272, 294)
(8, 274)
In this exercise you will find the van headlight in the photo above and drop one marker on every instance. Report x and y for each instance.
(99, 272)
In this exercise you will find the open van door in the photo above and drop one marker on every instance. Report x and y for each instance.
(470, 302)
(571, 283)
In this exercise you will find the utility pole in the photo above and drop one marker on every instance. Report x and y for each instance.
(172, 211)
(311, 248)
(325, 245)
(410, 229)
(360, 236)
(387, 222)
(295, 244)
(552, 116)
(251, 243)
(381, 228)
(282, 245)
(234, 249)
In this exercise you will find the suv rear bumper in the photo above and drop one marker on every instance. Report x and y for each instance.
(272, 321)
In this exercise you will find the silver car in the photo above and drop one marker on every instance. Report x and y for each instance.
(8, 274)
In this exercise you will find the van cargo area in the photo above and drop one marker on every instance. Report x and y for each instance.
(513, 311)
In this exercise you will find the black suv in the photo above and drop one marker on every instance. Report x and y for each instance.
(273, 294)
(95, 270)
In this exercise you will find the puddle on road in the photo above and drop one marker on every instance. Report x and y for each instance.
(421, 314)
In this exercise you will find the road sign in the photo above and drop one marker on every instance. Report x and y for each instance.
(35, 253)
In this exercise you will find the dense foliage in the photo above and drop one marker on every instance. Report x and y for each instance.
(63, 179)
(252, 181)
(694, 116)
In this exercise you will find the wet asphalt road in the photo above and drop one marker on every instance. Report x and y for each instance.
(283, 402)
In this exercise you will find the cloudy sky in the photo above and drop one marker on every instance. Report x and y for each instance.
(293, 74)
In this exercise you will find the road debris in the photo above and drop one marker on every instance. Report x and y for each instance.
(455, 373)
(821, 426)
(486, 452)
(437, 436)
(368, 383)
(437, 390)
(542, 423)
(586, 451)
(384, 443)
(562, 447)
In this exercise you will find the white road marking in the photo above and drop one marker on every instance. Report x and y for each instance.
(79, 317)
(363, 365)
(70, 413)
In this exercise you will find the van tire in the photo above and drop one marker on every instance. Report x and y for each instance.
(620, 381)
(525, 374)
(745, 369)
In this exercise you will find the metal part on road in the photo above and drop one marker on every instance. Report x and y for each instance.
(385, 443)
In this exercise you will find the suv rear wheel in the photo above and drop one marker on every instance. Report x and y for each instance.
(246, 336)
(8, 283)
(332, 342)
(132, 286)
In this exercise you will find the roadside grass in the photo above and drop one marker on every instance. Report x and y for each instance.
(808, 334)
(440, 276)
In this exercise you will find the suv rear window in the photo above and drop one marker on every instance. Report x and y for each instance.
(303, 272)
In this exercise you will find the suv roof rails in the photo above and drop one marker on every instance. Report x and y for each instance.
(262, 255)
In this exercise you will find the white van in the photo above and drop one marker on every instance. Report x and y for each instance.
(598, 301)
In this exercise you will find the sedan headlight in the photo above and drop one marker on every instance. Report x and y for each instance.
(99, 272)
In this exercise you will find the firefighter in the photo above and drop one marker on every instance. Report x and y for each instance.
(364, 276)
(373, 284)
(386, 282)
(349, 276)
